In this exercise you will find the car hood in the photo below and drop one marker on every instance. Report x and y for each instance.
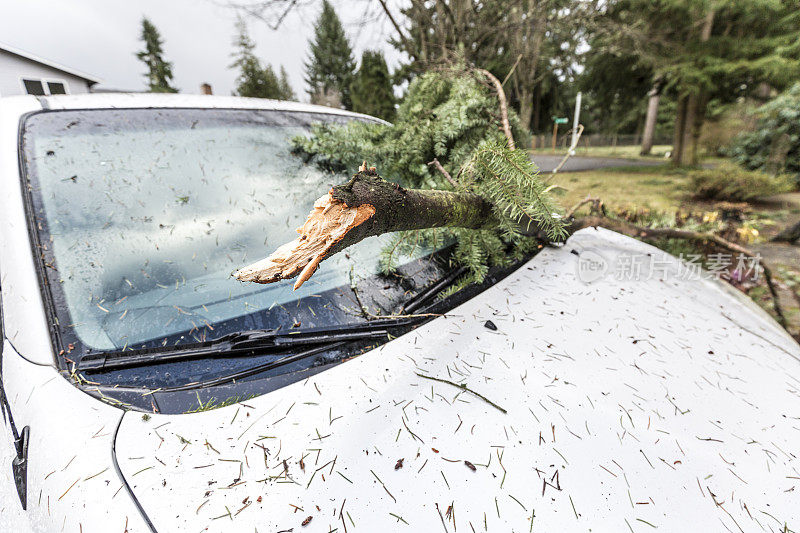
(602, 404)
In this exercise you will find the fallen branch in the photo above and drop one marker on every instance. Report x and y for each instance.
(501, 95)
(365, 206)
(571, 150)
(464, 388)
(597, 207)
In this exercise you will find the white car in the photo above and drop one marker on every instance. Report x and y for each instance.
(145, 390)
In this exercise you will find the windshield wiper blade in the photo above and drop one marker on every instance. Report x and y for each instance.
(263, 338)
(418, 300)
(245, 343)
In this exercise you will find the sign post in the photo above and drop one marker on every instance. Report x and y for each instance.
(575, 121)
(556, 122)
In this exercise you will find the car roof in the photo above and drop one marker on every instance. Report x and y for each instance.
(161, 100)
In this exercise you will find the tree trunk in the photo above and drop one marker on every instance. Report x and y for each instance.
(687, 145)
(537, 108)
(525, 108)
(696, 105)
(652, 115)
(680, 124)
(697, 126)
(364, 207)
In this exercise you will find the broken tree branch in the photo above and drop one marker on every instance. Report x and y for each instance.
(444, 172)
(571, 150)
(501, 95)
(365, 206)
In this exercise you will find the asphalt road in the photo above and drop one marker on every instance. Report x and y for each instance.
(547, 163)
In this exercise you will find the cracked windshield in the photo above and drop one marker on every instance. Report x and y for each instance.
(147, 212)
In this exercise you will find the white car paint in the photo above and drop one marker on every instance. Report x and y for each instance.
(629, 431)
(646, 402)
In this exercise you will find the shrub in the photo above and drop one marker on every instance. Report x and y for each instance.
(732, 182)
(774, 145)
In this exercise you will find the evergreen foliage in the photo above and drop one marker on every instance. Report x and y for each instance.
(705, 50)
(452, 116)
(255, 80)
(284, 87)
(159, 71)
(331, 66)
(371, 90)
(774, 145)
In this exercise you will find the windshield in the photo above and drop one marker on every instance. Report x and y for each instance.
(141, 215)
(148, 211)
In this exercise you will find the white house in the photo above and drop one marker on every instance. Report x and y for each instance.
(25, 73)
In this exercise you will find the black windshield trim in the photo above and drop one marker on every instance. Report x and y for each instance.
(36, 249)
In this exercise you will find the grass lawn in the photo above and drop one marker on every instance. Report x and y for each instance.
(626, 152)
(661, 188)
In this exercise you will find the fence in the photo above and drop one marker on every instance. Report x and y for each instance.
(594, 139)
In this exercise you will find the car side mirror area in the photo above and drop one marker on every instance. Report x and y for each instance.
(19, 465)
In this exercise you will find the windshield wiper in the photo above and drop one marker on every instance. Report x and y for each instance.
(418, 300)
(245, 343)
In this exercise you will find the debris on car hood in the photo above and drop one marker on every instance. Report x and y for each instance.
(598, 402)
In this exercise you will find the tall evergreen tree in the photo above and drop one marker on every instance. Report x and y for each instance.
(331, 65)
(371, 91)
(159, 71)
(287, 93)
(255, 80)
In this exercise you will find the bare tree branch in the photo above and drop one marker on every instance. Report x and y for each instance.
(501, 95)
(400, 33)
(444, 172)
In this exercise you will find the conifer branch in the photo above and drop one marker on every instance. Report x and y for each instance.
(366, 206)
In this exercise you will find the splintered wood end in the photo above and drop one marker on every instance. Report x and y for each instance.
(329, 221)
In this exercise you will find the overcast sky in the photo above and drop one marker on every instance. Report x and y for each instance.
(100, 37)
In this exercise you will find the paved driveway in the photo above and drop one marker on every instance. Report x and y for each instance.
(547, 163)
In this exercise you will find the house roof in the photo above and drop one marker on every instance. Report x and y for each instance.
(52, 64)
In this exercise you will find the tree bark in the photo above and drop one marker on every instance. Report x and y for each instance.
(687, 144)
(525, 108)
(366, 206)
(680, 124)
(652, 115)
